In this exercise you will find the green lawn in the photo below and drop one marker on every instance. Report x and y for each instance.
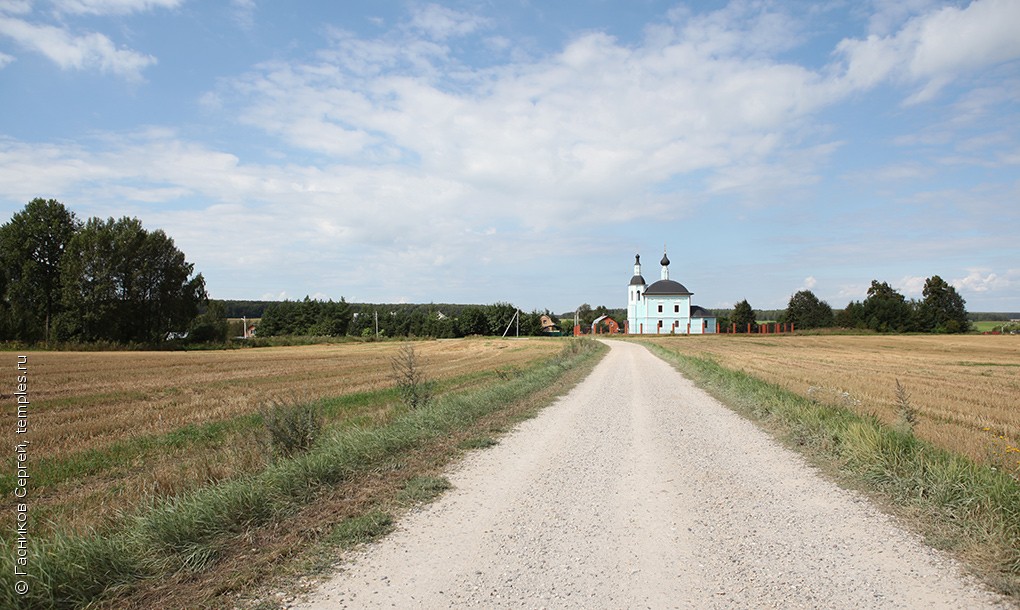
(988, 325)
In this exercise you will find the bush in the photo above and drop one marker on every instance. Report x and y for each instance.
(293, 427)
(416, 389)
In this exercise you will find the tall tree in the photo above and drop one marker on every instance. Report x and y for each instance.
(585, 315)
(499, 315)
(211, 325)
(943, 309)
(32, 246)
(852, 316)
(886, 310)
(125, 284)
(743, 315)
(806, 311)
(472, 321)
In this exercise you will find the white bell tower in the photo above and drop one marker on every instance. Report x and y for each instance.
(635, 294)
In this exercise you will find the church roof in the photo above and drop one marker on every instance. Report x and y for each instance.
(667, 287)
(698, 311)
(637, 280)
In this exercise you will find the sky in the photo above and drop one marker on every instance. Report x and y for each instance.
(479, 151)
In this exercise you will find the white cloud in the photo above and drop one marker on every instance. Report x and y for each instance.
(5, 60)
(911, 286)
(983, 280)
(440, 23)
(16, 7)
(112, 7)
(887, 16)
(954, 40)
(566, 136)
(79, 52)
(853, 292)
(809, 283)
(244, 13)
(934, 48)
(744, 29)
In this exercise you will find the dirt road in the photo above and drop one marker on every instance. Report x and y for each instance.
(638, 490)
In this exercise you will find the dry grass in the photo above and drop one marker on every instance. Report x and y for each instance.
(99, 403)
(86, 400)
(965, 389)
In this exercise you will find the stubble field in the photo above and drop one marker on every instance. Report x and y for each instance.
(111, 431)
(966, 389)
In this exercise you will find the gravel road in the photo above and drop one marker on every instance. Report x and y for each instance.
(638, 490)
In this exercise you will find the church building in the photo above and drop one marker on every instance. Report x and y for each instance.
(664, 307)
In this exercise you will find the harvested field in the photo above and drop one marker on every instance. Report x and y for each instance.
(966, 389)
(110, 430)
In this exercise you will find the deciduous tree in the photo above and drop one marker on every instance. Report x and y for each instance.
(472, 321)
(125, 284)
(32, 246)
(886, 310)
(806, 311)
(211, 325)
(943, 309)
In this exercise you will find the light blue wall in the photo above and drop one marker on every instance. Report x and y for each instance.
(643, 316)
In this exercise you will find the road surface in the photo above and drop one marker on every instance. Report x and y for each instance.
(638, 490)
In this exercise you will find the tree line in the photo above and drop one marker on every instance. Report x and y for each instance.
(329, 318)
(98, 280)
(941, 310)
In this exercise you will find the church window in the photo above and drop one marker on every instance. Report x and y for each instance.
(676, 309)
(660, 308)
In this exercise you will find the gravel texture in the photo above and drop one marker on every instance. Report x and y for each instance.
(638, 490)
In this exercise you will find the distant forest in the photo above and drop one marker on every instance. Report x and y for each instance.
(254, 309)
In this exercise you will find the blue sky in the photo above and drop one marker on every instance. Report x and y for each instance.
(524, 151)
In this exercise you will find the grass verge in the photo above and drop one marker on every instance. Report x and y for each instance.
(969, 509)
(189, 550)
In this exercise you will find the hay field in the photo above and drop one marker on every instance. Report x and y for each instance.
(110, 430)
(966, 388)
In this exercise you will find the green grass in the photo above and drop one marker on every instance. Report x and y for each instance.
(986, 326)
(965, 507)
(186, 533)
(422, 490)
(478, 442)
(361, 529)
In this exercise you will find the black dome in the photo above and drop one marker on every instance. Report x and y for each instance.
(665, 260)
(637, 280)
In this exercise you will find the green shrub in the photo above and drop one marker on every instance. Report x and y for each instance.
(293, 427)
(415, 387)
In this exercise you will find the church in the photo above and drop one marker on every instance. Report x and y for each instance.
(664, 307)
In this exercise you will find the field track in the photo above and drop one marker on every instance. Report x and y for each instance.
(639, 490)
